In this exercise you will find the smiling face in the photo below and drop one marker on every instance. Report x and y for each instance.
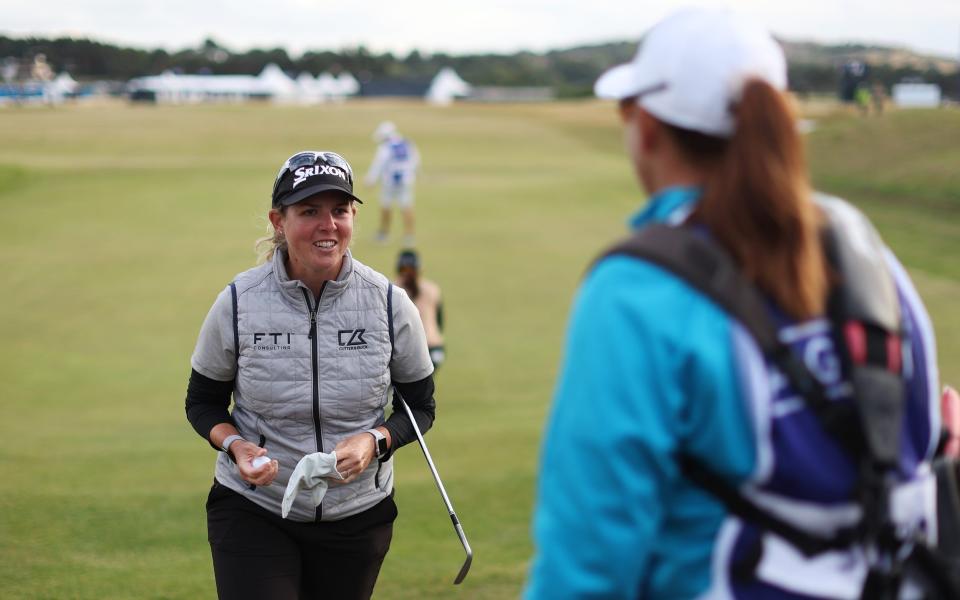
(318, 232)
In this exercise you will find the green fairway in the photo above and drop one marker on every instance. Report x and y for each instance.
(120, 225)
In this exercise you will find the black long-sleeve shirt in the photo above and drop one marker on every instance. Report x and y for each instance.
(208, 402)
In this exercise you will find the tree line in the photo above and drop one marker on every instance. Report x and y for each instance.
(569, 72)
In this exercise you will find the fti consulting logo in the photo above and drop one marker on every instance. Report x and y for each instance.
(271, 342)
(351, 339)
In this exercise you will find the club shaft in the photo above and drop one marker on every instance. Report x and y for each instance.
(443, 494)
(433, 468)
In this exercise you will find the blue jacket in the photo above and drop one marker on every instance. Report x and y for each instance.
(652, 367)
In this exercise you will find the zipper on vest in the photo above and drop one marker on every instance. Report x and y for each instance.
(316, 380)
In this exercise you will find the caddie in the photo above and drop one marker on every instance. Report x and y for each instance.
(691, 453)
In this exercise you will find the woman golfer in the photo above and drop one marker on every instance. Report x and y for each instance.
(308, 343)
(654, 370)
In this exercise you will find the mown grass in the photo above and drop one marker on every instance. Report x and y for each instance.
(120, 224)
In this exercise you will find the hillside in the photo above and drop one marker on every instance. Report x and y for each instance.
(570, 72)
(811, 53)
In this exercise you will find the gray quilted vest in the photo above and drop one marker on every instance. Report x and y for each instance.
(309, 376)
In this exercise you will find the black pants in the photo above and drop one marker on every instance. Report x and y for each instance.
(259, 555)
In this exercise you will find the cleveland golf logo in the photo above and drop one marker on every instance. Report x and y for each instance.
(271, 341)
(301, 174)
(351, 339)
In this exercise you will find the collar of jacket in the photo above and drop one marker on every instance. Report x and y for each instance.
(291, 287)
(670, 205)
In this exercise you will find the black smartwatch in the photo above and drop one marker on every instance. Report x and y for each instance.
(380, 443)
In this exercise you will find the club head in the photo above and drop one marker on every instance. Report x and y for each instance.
(464, 569)
(466, 548)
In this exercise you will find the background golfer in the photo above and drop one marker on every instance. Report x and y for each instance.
(395, 167)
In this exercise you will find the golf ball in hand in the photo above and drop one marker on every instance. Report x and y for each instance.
(260, 461)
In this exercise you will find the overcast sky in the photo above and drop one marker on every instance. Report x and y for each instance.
(462, 26)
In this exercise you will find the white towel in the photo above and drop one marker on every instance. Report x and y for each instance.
(311, 473)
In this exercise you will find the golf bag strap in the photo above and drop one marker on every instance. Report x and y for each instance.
(707, 267)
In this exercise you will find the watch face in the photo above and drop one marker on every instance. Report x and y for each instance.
(381, 446)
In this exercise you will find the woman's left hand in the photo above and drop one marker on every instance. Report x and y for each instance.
(354, 454)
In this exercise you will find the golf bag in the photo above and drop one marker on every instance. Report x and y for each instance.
(864, 312)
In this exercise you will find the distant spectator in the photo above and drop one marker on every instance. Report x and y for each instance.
(878, 96)
(395, 166)
(862, 98)
(426, 296)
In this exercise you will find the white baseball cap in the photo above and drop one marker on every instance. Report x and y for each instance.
(690, 68)
(384, 130)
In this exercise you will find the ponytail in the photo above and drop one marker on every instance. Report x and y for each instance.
(757, 202)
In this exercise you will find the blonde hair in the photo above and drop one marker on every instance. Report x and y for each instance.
(268, 245)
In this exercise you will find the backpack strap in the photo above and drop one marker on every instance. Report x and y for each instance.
(390, 316)
(738, 504)
(236, 325)
(707, 267)
(864, 311)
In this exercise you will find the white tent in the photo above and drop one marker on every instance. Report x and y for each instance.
(917, 95)
(65, 83)
(179, 89)
(348, 84)
(327, 86)
(175, 88)
(308, 91)
(306, 81)
(57, 90)
(446, 86)
(271, 83)
(278, 84)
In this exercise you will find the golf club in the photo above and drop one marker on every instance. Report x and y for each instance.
(443, 493)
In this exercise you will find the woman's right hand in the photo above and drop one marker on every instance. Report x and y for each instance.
(243, 453)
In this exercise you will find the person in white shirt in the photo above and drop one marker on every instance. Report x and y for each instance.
(394, 166)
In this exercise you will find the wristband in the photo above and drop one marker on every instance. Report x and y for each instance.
(229, 440)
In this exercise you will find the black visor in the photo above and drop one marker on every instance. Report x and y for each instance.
(306, 174)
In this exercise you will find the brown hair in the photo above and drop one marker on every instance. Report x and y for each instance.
(757, 201)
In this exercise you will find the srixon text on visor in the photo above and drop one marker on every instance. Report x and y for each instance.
(302, 173)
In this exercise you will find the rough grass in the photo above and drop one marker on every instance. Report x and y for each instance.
(120, 224)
